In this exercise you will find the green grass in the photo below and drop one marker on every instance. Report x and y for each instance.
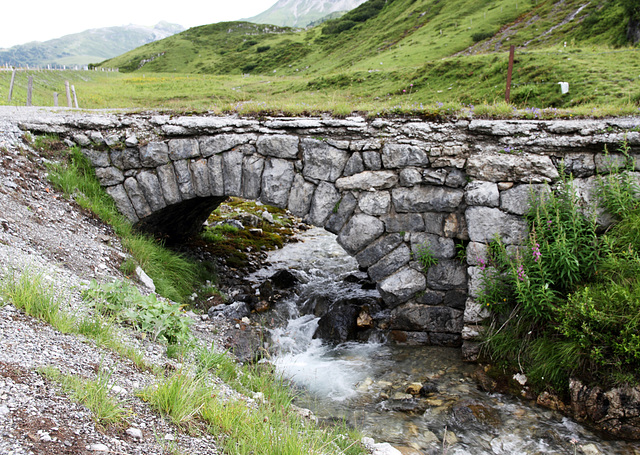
(106, 409)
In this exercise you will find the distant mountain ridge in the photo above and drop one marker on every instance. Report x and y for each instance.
(90, 46)
(301, 13)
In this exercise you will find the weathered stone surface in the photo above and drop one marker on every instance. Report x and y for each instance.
(346, 206)
(372, 161)
(410, 176)
(390, 263)
(324, 201)
(430, 297)
(278, 145)
(402, 155)
(116, 157)
(211, 145)
(97, 158)
(123, 203)
(482, 193)
(169, 184)
(456, 179)
(252, 166)
(355, 165)
(440, 247)
(378, 249)
(109, 176)
(412, 316)
(434, 222)
(200, 174)
(477, 253)
(578, 164)
(455, 226)
(401, 286)
(526, 168)
(150, 186)
(474, 313)
(403, 222)
(375, 202)
(276, 182)
(184, 179)
(359, 232)
(136, 196)
(368, 180)
(517, 199)
(154, 154)
(484, 223)
(131, 159)
(301, 196)
(232, 168)
(434, 176)
(182, 149)
(426, 199)
(456, 299)
(322, 161)
(216, 175)
(447, 274)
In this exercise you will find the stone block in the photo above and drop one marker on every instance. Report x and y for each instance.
(169, 184)
(390, 263)
(359, 232)
(200, 174)
(300, 196)
(355, 165)
(447, 274)
(456, 299)
(525, 168)
(119, 196)
(517, 200)
(136, 196)
(345, 207)
(482, 193)
(455, 226)
(430, 297)
(182, 149)
(401, 286)
(474, 313)
(232, 169)
(375, 202)
(434, 176)
(410, 176)
(252, 167)
(154, 154)
(402, 155)
(323, 203)
(477, 253)
(150, 186)
(322, 161)
(97, 158)
(276, 182)
(456, 179)
(403, 222)
(368, 180)
(434, 222)
(109, 176)
(440, 247)
(415, 317)
(184, 179)
(116, 157)
(426, 198)
(378, 249)
(216, 175)
(278, 145)
(579, 164)
(212, 145)
(131, 159)
(484, 223)
(372, 161)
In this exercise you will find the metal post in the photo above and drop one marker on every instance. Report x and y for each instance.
(512, 50)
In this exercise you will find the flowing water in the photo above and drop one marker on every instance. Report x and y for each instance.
(365, 383)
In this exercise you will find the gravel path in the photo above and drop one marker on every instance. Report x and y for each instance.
(46, 235)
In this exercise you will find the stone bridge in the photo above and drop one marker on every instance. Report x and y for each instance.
(387, 188)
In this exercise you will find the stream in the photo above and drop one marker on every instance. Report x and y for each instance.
(365, 383)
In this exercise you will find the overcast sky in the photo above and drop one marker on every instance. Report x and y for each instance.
(41, 20)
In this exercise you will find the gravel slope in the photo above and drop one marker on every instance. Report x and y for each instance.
(45, 234)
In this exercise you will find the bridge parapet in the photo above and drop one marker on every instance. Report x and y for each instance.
(387, 188)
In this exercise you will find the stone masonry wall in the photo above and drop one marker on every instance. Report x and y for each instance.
(386, 187)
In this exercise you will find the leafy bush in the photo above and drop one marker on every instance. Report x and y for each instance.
(567, 301)
(159, 318)
(481, 36)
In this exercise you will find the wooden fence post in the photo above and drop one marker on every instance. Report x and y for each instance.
(13, 79)
(29, 90)
(75, 98)
(507, 96)
(55, 99)
(66, 86)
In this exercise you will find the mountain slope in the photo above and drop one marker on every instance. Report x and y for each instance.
(383, 36)
(90, 46)
(300, 13)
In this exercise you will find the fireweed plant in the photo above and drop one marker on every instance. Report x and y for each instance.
(566, 302)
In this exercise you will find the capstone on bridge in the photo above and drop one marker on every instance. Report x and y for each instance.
(385, 187)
